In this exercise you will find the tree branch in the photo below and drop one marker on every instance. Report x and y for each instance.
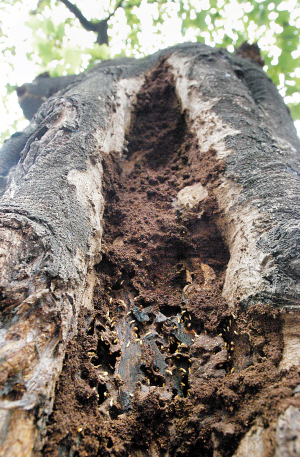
(88, 25)
(99, 27)
(118, 6)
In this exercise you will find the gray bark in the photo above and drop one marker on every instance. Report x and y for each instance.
(52, 222)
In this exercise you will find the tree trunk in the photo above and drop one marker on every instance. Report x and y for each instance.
(150, 265)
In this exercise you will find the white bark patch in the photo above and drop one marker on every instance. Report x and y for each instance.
(121, 119)
(284, 145)
(241, 229)
(88, 186)
(12, 188)
(252, 444)
(190, 196)
(21, 433)
(291, 339)
(208, 127)
(288, 433)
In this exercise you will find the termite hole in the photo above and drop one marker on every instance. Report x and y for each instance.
(155, 378)
(105, 358)
(102, 392)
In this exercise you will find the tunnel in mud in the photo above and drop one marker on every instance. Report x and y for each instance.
(162, 367)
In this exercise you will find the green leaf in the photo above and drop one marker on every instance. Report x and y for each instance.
(200, 20)
(48, 27)
(10, 89)
(295, 111)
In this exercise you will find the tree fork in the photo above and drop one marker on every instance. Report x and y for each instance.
(52, 225)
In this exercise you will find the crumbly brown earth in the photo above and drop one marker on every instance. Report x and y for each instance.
(163, 367)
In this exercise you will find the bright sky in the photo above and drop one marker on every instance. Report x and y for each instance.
(17, 69)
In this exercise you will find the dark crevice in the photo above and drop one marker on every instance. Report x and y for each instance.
(102, 392)
(153, 375)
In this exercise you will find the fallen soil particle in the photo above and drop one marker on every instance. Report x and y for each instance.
(163, 367)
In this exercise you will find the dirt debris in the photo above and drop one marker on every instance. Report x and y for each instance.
(163, 367)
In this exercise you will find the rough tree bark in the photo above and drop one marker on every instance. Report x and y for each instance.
(150, 265)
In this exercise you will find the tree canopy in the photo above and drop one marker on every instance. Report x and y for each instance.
(62, 37)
